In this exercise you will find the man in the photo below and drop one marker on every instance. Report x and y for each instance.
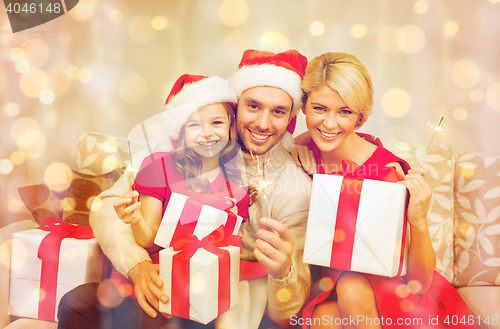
(269, 91)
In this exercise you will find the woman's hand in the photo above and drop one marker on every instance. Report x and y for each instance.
(304, 158)
(419, 183)
(128, 208)
(233, 208)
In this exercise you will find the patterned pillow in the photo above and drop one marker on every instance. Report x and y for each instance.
(477, 220)
(42, 201)
(82, 192)
(98, 154)
(439, 160)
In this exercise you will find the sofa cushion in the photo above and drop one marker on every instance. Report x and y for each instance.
(43, 201)
(483, 303)
(439, 160)
(98, 154)
(477, 220)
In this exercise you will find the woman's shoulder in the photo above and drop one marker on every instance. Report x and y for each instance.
(383, 156)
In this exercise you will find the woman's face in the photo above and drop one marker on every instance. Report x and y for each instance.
(328, 118)
(207, 130)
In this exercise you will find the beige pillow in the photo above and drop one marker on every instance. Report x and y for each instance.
(477, 220)
(440, 162)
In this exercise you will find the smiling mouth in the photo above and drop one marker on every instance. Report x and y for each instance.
(207, 144)
(259, 138)
(328, 135)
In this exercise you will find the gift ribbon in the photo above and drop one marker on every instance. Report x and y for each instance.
(347, 211)
(192, 210)
(181, 266)
(48, 252)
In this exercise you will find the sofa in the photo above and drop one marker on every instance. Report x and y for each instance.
(464, 217)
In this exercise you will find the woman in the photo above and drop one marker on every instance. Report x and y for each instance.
(339, 95)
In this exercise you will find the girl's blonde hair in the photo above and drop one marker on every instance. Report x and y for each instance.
(344, 74)
(188, 163)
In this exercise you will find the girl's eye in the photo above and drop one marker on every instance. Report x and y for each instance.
(193, 125)
(217, 123)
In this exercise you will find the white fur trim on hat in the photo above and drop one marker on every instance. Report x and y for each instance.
(191, 98)
(269, 75)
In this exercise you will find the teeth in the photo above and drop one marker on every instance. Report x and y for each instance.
(328, 135)
(211, 143)
(258, 136)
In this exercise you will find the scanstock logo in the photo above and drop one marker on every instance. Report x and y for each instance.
(24, 15)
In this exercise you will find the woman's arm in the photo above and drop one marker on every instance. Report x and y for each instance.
(421, 255)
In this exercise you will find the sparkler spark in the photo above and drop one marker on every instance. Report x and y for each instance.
(263, 185)
(435, 130)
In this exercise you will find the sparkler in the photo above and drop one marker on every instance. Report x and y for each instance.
(130, 166)
(435, 129)
(263, 184)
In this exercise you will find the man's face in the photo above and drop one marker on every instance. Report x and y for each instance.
(262, 117)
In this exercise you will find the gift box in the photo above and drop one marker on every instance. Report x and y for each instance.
(188, 215)
(201, 277)
(47, 263)
(358, 225)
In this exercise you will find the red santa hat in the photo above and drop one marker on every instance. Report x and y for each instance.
(264, 68)
(189, 94)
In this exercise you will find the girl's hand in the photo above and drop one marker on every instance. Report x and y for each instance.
(304, 157)
(419, 183)
(128, 208)
(234, 208)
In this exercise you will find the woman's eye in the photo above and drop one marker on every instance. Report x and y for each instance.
(345, 112)
(319, 108)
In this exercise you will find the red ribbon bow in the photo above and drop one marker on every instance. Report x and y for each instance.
(347, 212)
(181, 266)
(48, 252)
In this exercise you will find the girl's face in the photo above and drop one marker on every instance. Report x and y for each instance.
(328, 118)
(207, 130)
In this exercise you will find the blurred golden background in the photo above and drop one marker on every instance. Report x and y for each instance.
(107, 65)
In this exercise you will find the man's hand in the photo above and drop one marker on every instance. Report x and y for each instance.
(304, 158)
(274, 248)
(147, 286)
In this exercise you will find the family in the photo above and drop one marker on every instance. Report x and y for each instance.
(254, 113)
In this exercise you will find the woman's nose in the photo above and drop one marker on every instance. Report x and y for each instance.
(330, 121)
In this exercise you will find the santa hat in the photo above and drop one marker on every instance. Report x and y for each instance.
(263, 68)
(189, 94)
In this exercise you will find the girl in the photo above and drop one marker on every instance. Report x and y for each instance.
(200, 122)
(339, 95)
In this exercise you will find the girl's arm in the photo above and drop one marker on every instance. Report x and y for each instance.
(421, 256)
(144, 217)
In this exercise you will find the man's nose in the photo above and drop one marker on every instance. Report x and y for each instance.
(263, 120)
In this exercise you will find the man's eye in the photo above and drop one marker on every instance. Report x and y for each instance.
(252, 106)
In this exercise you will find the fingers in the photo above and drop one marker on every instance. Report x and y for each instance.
(424, 172)
(280, 228)
(304, 158)
(147, 286)
(295, 155)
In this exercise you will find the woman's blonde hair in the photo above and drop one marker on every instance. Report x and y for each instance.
(188, 163)
(344, 74)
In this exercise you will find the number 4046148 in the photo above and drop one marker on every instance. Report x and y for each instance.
(32, 8)
(455, 320)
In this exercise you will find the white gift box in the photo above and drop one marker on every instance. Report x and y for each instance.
(203, 282)
(209, 219)
(80, 262)
(380, 231)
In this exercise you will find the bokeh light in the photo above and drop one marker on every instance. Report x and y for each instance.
(465, 74)
(73, 72)
(415, 286)
(402, 291)
(108, 294)
(5, 251)
(387, 39)
(22, 66)
(96, 204)
(58, 80)
(17, 157)
(38, 295)
(159, 23)
(133, 88)
(15, 205)
(460, 114)
(51, 120)
(12, 109)
(325, 283)
(58, 176)
(283, 295)
(85, 76)
(273, 41)
(36, 52)
(21, 253)
(111, 162)
(64, 37)
(84, 10)
(403, 147)
(396, 102)
(339, 235)
(406, 305)
(26, 134)
(493, 96)
(358, 31)
(451, 28)
(140, 30)
(197, 283)
(2, 80)
(467, 170)
(47, 96)
(317, 28)
(70, 253)
(494, 1)
(410, 39)
(421, 6)
(6, 166)
(16, 53)
(33, 82)
(116, 16)
(90, 202)
(126, 290)
(236, 42)
(233, 12)
(466, 228)
(476, 95)
(67, 204)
